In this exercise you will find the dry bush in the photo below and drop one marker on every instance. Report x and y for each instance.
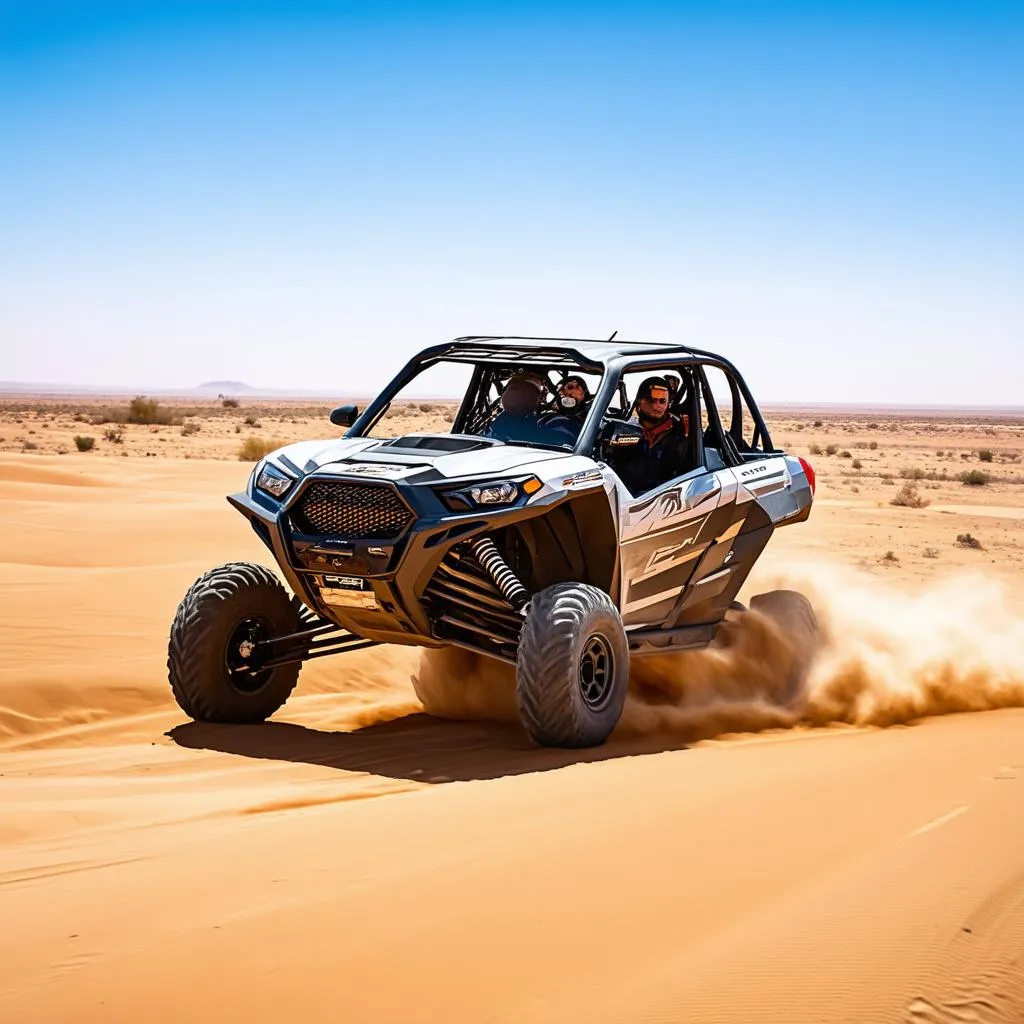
(985, 455)
(115, 435)
(965, 540)
(815, 449)
(857, 464)
(931, 552)
(832, 449)
(907, 497)
(974, 478)
(230, 403)
(914, 473)
(84, 444)
(146, 410)
(190, 428)
(252, 449)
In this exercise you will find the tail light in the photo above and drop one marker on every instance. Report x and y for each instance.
(808, 472)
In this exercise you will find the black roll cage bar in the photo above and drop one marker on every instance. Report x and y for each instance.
(492, 361)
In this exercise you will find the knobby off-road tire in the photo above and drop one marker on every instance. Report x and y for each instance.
(572, 669)
(223, 607)
(794, 614)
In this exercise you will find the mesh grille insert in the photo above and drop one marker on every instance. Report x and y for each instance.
(354, 511)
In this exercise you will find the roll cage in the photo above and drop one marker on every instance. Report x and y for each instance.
(496, 357)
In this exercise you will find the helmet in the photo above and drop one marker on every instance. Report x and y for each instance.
(527, 377)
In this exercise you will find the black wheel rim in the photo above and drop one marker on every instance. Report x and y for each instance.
(242, 673)
(596, 672)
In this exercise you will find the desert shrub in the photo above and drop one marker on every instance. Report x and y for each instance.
(832, 449)
(913, 473)
(84, 444)
(931, 552)
(872, 426)
(230, 403)
(965, 540)
(143, 410)
(30, 446)
(857, 464)
(873, 446)
(908, 497)
(817, 423)
(846, 455)
(190, 428)
(815, 449)
(80, 417)
(115, 435)
(251, 420)
(886, 478)
(890, 556)
(254, 448)
(973, 477)
(985, 455)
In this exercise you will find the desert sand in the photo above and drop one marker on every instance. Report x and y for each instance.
(356, 860)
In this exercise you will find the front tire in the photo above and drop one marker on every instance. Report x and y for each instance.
(226, 609)
(572, 668)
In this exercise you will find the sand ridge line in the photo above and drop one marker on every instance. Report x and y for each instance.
(938, 822)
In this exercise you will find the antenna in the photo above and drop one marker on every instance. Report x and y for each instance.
(613, 335)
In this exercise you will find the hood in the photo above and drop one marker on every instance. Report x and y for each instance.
(426, 456)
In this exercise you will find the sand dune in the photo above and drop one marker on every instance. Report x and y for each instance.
(723, 858)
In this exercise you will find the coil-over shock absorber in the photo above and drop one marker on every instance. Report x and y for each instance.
(505, 579)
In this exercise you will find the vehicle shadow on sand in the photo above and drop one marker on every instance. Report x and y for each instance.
(418, 747)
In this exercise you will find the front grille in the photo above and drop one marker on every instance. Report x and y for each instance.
(352, 511)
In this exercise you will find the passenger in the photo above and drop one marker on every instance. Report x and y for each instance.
(574, 398)
(571, 407)
(666, 450)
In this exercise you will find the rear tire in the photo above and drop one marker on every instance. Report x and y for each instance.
(572, 669)
(794, 614)
(225, 607)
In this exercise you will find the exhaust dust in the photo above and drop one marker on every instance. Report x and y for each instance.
(880, 655)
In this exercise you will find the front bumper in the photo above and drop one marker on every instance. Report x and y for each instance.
(374, 587)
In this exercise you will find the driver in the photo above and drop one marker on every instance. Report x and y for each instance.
(520, 405)
(665, 451)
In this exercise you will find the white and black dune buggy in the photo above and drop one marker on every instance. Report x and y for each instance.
(533, 552)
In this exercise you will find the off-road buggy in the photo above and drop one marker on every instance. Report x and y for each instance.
(533, 552)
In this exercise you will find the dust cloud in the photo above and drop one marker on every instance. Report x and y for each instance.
(869, 654)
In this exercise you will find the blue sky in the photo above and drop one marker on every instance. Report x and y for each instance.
(302, 194)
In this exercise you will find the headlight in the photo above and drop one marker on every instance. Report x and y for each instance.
(273, 481)
(496, 493)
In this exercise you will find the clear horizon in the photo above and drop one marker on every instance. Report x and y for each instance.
(832, 195)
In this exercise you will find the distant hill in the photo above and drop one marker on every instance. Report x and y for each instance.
(228, 387)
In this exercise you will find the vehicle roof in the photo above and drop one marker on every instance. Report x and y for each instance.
(599, 352)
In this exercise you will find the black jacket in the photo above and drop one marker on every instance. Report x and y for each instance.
(660, 456)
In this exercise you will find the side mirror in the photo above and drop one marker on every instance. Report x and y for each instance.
(618, 434)
(344, 415)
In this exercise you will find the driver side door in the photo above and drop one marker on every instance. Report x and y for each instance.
(676, 540)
